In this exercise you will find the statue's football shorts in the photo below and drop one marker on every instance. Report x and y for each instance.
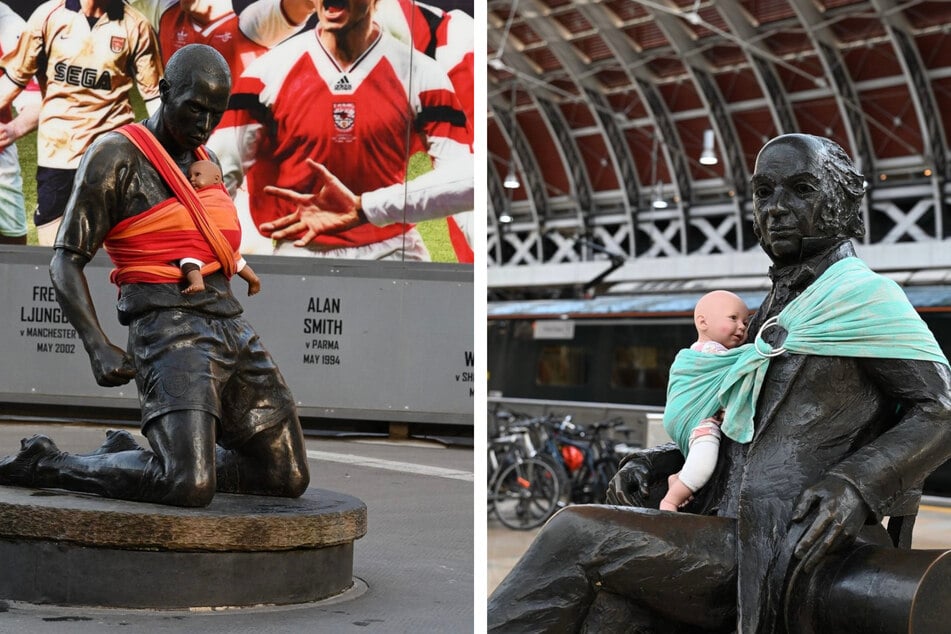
(189, 361)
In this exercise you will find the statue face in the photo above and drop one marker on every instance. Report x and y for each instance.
(191, 111)
(787, 196)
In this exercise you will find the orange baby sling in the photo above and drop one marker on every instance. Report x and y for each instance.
(202, 225)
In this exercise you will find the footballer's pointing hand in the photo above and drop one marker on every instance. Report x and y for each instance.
(332, 207)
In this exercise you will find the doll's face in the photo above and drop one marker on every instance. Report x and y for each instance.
(203, 173)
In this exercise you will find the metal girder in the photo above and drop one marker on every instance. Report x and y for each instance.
(570, 156)
(763, 69)
(672, 27)
(498, 201)
(534, 16)
(733, 153)
(617, 144)
(656, 108)
(523, 155)
(619, 149)
(672, 148)
(922, 95)
(932, 131)
(846, 97)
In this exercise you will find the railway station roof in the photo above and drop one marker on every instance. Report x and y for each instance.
(602, 109)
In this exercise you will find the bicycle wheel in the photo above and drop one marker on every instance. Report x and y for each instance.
(526, 494)
(564, 479)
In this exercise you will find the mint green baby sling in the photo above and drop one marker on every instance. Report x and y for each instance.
(850, 311)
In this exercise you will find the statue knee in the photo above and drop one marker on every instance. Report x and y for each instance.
(191, 487)
(297, 481)
(287, 474)
(573, 517)
(564, 525)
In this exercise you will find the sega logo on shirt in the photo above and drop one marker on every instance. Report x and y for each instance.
(79, 76)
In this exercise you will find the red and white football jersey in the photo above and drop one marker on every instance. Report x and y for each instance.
(363, 122)
(449, 38)
(240, 39)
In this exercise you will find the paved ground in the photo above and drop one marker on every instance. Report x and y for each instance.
(414, 568)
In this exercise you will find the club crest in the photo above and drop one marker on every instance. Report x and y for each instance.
(344, 115)
(117, 44)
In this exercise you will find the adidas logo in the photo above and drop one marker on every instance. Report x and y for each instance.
(343, 84)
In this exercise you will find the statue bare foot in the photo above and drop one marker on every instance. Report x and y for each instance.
(117, 440)
(20, 469)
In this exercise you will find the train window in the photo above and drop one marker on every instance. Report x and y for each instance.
(640, 367)
(561, 365)
(523, 330)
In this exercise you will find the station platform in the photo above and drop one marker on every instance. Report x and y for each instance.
(505, 547)
(413, 571)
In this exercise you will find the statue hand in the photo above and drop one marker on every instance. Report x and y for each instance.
(837, 515)
(640, 472)
(111, 365)
(332, 207)
(630, 486)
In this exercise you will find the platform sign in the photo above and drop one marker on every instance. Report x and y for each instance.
(553, 329)
(354, 340)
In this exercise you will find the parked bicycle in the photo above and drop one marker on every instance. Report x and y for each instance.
(523, 489)
(589, 456)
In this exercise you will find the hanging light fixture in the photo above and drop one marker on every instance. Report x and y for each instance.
(708, 156)
(505, 218)
(657, 198)
(511, 180)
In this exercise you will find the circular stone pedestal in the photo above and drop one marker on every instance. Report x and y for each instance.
(242, 550)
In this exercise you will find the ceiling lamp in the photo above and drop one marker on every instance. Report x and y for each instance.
(505, 218)
(511, 180)
(657, 199)
(707, 156)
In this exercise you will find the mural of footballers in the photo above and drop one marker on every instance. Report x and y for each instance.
(448, 36)
(241, 33)
(13, 227)
(239, 38)
(347, 137)
(87, 55)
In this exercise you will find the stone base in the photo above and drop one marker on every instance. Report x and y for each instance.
(70, 549)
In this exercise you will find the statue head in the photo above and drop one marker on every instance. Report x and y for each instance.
(805, 192)
(194, 94)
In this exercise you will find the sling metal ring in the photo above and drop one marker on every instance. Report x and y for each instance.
(774, 352)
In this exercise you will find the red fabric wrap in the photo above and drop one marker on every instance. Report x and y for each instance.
(202, 225)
